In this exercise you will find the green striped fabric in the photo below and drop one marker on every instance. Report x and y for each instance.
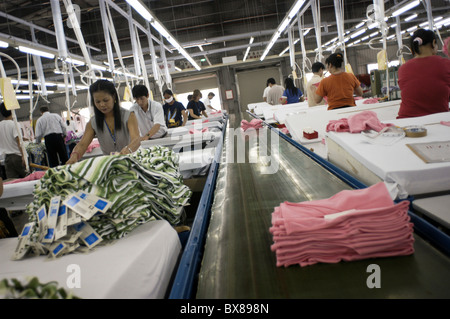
(142, 186)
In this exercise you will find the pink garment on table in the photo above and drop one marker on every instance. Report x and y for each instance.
(373, 226)
(445, 123)
(194, 131)
(340, 125)
(255, 124)
(365, 120)
(94, 144)
(32, 177)
(371, 101)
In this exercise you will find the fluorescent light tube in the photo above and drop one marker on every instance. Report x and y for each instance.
(4, 44)
(142, 9)
(357, 33)
(36, 52)
(411, 17)
(295, 9)
(405, 8)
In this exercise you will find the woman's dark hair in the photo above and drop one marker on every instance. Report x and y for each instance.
(108, 87)
(168, 92)
(335, 60)
(419, 38)
(317, 66)
(289, 85)
(6, 113)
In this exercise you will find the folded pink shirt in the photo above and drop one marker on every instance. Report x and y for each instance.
(371, 226)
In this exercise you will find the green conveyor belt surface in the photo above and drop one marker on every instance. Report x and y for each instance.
(238, 261)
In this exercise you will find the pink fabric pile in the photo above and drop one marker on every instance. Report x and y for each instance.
(371, 101)
(255, 124)
(32, 177)
(94, 144)
(366, 120)
(351, 225)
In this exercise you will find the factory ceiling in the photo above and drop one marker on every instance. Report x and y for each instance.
(211, 32)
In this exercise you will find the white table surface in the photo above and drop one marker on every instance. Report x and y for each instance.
(138, 266)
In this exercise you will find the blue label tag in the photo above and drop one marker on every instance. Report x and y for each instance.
(73, 201)
(50, 233)
(62, 210)
(58, 249)
(41, 214)
(100, 204)
(91, 239)
(78, 226)
(53, 212)
(26, 230)
(82, 195)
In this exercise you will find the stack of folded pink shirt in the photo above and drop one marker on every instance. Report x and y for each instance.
(255, 124)
(351, 225)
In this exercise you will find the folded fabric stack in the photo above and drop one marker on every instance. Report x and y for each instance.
(143, 186)
(253, 124)
(351, 225)
(366, 120)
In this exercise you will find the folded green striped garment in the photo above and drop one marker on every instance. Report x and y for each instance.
(142, 186)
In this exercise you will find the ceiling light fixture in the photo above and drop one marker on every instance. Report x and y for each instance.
(146, 14)
(248, 49)
(405, 8)
(411, 17)
(287, 19)
(32, 51)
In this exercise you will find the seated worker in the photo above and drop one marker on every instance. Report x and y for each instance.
(196, 108)
(424, 80)
(340, 86)
(116, 128)
(291, 94)
(150, 114)
(174, 112)
(318, 70)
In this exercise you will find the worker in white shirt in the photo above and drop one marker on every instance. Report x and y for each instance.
(150, 114)
(207, 103)
(52, 128)
(10, 146)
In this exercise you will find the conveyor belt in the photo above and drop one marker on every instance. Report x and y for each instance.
(238, 262)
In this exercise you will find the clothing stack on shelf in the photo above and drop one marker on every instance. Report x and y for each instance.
(141, 187)
(351, 225)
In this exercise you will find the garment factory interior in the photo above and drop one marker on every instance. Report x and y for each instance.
(239, 183)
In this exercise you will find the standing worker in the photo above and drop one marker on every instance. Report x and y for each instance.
(10, 146)
(291, 94)
(318, 70)
(196, 108)
(52, 128)
(150, 114)
(275, 93)
(174, 112)
(424, 80)
(207, 102)
(340, 86)
(115, 127)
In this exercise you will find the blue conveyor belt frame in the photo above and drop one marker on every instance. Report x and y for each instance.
(191, 258)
